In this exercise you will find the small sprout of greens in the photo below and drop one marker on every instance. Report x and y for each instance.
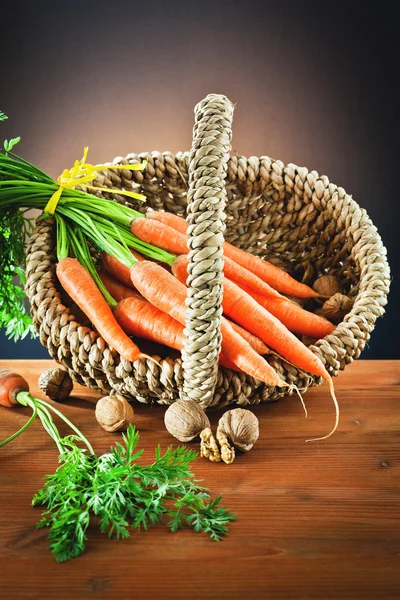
(14, 318)
(122, 494)
(14, 228)
(9, 145)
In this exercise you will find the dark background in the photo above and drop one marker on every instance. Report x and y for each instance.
(314, 84)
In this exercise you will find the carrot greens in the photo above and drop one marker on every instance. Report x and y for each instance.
(114, 488)
(14, 227)
(123, 494)
(22, 187)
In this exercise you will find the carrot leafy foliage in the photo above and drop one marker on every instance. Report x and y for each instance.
(14, 228)
(121, 494)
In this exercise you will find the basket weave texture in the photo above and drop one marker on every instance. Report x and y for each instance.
(277, 211)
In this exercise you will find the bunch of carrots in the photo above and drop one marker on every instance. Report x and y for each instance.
(134, 294)
(131, 296)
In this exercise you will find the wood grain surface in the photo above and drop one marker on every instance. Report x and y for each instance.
(315, 520)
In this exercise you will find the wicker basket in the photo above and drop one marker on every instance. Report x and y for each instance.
(259, 204)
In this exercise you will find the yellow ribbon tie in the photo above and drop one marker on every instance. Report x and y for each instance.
(82, 173)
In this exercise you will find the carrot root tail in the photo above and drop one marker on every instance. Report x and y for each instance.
(292, 387)
(337, 411)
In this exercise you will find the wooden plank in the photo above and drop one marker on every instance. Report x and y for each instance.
(317, 520)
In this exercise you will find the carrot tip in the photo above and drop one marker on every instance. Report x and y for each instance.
(337, 411)
(296, 389)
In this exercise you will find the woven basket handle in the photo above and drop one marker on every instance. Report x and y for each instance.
(208, 163)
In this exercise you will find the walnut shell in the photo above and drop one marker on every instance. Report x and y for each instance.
(327, 285)
(114, 413)
(337, 307)
(240, 427)
(185, 420)
(56, 383)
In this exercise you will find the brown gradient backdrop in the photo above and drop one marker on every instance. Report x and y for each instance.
(312, 83)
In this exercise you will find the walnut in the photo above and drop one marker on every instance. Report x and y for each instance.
(337, 307)
(327, 286)
(241, 427)
(208, 446)
(227, 451)
(114, 413)
(185, 420)
(56, 383)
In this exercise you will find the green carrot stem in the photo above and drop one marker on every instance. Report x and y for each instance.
(137, 244)
(23, 428)
(81, 251)
(30, 167)
(25, 399)
(62, 238)
(50, 428)
(43, 410)
(96, 226)
(43, 404)
(94, 233)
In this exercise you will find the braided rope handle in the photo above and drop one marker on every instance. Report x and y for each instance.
(208, 164)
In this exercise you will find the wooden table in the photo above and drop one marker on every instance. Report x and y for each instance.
(315, 521)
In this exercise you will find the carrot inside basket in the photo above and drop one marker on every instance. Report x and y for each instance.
(270, 274)
(237, 304)
(165, 292)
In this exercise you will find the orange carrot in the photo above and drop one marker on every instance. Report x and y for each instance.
(118, 290)
(235, 272)
(177, 223)
(275, 277)
(165, 292)
(80, 286)
(117, 269)
(239, 305)
(243, 277)
(155, 233)
(141, 319)
(10, 386)
(254, 341)
(296, 318)
(225, 362)
(171, 240)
